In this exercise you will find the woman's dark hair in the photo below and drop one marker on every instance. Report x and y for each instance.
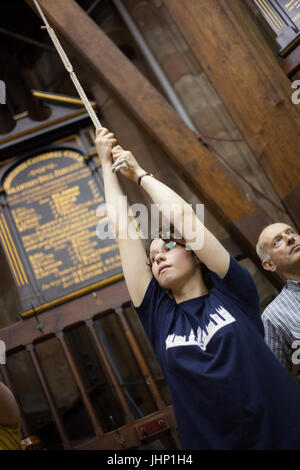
(173, 235)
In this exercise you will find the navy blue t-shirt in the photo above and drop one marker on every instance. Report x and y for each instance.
(228, 389)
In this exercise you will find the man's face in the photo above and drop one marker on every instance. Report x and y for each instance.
(282, 243)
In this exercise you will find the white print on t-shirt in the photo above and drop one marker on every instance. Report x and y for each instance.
(221, 319)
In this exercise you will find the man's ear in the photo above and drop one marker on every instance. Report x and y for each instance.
(269, 265)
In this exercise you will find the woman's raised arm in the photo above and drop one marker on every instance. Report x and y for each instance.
(178, 212)
(204, 244)
(133, 255)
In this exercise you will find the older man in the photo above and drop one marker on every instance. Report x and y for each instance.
(279, 249)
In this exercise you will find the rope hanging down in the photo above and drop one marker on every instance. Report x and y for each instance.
(69, 68)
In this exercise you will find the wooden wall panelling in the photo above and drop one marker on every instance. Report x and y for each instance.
(59, 320)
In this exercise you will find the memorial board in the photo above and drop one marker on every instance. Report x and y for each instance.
(50, 218)
(283, 16)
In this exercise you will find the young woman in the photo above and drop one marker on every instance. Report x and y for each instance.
(228, 389)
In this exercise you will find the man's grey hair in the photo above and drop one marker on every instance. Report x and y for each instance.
(261, 253)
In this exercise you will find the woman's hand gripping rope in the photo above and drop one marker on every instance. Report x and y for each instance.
(105, 141)
(124, 161)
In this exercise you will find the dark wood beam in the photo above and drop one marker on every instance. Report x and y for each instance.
(251, 86)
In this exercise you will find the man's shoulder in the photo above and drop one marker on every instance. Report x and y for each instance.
(275, 306)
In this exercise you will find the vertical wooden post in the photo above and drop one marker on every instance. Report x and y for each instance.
(45, 386)
(149, 379)
(109, 370)
(79, 381)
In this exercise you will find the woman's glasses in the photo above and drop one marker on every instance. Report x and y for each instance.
(167, 247)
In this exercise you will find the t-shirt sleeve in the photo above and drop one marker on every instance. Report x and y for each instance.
(153, 311)
(239, 286)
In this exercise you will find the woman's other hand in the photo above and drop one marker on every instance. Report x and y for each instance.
(126, 164)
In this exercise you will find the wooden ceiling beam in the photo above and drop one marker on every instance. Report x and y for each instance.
(251, 85)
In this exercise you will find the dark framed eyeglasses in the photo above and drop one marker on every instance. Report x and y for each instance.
(170, 245)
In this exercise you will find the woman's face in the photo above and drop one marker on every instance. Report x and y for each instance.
(171, 267)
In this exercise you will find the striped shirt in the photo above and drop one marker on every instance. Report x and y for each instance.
(281, 321)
